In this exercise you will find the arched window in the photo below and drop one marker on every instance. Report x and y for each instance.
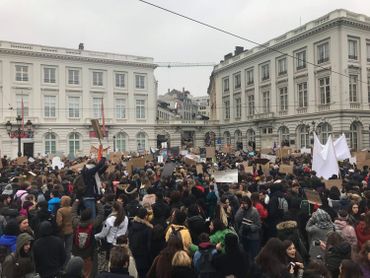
(251, 138)
(121, 142)
(284, 136)
(355, 135)
(227, 138)
(50, 143)
(304, 136)
(74, 143)
(325, 131)
(141, 141)
(238, 140)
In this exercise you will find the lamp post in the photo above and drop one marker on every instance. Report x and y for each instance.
(114, 143)
(19, 133)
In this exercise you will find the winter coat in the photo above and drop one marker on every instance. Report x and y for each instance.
(288, 230)
(229, 264)
(182, 272)
(362, 234)
(16, 265)
(314, 235)
(197, 225)
(198, 254)
(262, 211)
(185, 235)
(111, 232)
(161, 266)
(139, 235)
(64, 216)
(53, 204)
(48, 252)
(365, 269)
(76, 221)
(251, 231)
(122, 273)
(219, 237)
(346, 231)
(211, 201)
(92, 188)
(334, 256)
(9, 241)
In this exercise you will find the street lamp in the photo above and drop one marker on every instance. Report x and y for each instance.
(114, 143)
(19, 133)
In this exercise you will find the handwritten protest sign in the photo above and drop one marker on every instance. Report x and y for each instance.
(330, 183)
(313, 197)
(227, 176)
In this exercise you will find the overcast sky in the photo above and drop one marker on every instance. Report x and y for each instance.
(132, 27)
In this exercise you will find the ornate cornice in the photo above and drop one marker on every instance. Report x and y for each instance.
(65, 57)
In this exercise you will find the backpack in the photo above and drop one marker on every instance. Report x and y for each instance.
(176, 232)
(83, 236)
(4, 252)
(205, 266)
(79, 186)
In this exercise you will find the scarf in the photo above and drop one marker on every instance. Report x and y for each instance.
(322, 219)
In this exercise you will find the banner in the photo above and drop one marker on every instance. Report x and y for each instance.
(227, 176)
(272, 158)
(324, 160)
(341, 148)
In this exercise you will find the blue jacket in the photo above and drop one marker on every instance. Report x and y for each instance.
(53, 204)
(9, 241)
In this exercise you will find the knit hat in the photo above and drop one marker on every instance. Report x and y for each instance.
(11, 228)
(8, 190)
(74, 267)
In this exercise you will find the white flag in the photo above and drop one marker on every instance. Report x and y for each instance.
(324, 160)
(341, 148)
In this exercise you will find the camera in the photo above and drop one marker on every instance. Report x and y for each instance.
(316, 243)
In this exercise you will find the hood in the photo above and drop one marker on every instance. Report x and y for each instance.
(8, 240)
(205, 245)
(340, 224)
(286, 225)
(138, 220)
(22, 239)
(65, 201)
(45, 229)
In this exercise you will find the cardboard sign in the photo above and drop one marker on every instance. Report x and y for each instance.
(148, 199)
(168, 170)
(97, 129)
(77, 167)
(164, 145)
(199, 168)
(360, 164)
(148, 157)
(227, 148)
(210, 152)
(202, 152)
(22, 160)
(247, 169)
(286, 169)
(361, 156)
(184, 152)
(189, 161)
(195, 150)
(313, 197)
(115, 157)
(330, 183)
(283, 152)
(266, 151)
(272, 158)
(265, 168)
(306, 150)
(138, 162)
(160, 159)
(227, 176)
(111, 169)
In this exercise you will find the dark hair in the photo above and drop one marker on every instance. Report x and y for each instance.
(287, 243)
(203, 237)
(231, 244)
(180, 217)
(120, 214)
(255, 197)
(173, 245)
(122, 239)
(350, 269)
(272, 258)
(246, 200)
(11, 228)
(142, 213)
(334, 193)
(342, 213)
(315, 270)
(218, 225)
(119, 257)
(86, 214)
(333, 239)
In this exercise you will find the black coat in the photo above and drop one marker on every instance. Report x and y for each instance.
(48, 252)
(140, 235)
(231, 264)
(89, 178)
(182, 272)
(196, 225)
(334, 256)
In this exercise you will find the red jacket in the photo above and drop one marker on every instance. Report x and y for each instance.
(262, 211)
(362, 234)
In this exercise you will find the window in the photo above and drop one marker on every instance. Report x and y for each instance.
(266, 102)
(238, 140)
(121, 142)
(141, 141)
(49, 106)
(250, 76)
(73, 107)
(368, 51)
(73, 77)
(22, 105)
(352, 49)
(251, 137)
(323, 53)
(325, 130)
(140, 109)
(238, 108)
(50, 143)
(120, 80)
(302, 95)
(355, 130)
(21, 73)
(139, 81)
(266, 130)
(324, 88)
(237, 81)
(283, 94)
(265, 72)
(282, 66)
(226, 84)
(50, 75)
(304, 136)
(97, 107)
(250, 105)
(227, 138)
(284, 136)
(120, 108)
(227, 109)
(73, 143)
(353, 87)
(300, 60)
(97, 78)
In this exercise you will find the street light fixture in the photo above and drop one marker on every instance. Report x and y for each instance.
(114, 143)
(19, 133)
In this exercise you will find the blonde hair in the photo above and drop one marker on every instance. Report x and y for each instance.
(181, 258)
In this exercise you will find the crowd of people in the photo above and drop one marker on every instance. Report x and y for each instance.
(105, 220)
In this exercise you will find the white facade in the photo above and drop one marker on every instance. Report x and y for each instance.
(63, 89)
(203, 105)
(266, 96)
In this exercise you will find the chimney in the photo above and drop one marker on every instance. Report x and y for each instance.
(81, 46)
(168, 90)
(228, 55)
(238, 50)
(183, 89)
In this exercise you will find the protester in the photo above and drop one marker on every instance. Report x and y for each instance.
(119, 263)
(74, 268)
(181, 266)
(349, 269)
(64, 222)
(294, 259)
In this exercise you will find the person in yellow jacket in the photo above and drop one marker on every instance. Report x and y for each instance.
(178, 228)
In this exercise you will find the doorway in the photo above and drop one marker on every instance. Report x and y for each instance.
(28, 149)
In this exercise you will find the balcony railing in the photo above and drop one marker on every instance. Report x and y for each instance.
(183, 122)
(265, 115)
(302, 110)
(323, 60)
(324, 107)
(354, 105)
(352, 57)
